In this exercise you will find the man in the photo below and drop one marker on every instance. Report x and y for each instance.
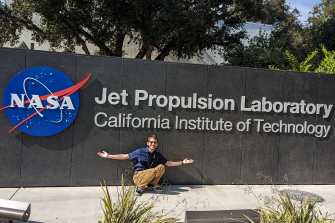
(149, 164)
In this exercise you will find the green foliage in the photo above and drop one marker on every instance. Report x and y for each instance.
(327, 65)
(304, 66)
(322, 12)
(288, 35)
(322, 25)
(127, 208)
(265, 50)
(285, 210)
(279, 208)
(273, 67)
(261, 52)
(280, 15)
(181, 27)
(253, 55)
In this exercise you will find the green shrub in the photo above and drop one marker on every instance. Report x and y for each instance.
(286, 211)
(326, 66)
(127, 209)
(304, 66)
(281, 209)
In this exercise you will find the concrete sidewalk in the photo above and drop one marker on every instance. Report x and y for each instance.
(82, 204)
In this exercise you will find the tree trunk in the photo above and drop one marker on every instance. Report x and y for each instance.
(142, 51)
(165, 52)
(149, 52)
(119, 44)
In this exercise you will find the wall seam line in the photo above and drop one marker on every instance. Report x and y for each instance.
(166, 68)
(242, 142)
(119, 146)
(316, 121)
(21, 183)
(280, 135)
(75, 81)
(204, 132)
(21, 158)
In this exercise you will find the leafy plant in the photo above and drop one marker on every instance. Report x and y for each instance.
(273, 67)
(127, 209)
(286, 211)
(280, 208)
(304, 66)
(327, 65)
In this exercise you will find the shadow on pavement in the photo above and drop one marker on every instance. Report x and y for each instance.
(174, 189)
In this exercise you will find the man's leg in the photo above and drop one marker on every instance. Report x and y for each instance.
(144, 177)
(159, 173)
(148, 176)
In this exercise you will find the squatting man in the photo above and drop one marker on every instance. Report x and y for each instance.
(149, 164)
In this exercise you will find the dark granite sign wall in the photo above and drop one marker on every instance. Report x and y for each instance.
(234, 122)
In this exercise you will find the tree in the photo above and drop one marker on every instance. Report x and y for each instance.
(278, 13)
(257, 53)
(181, 27)
(287, 34)
(322, 24)
(322, 12)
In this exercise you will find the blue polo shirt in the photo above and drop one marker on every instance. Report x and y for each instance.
(146, 160)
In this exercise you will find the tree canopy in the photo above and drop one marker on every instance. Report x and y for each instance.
(180, 27)
(264, 50)
(289, 35)
(322, 24)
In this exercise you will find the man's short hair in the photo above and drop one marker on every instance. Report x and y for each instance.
(153, 137)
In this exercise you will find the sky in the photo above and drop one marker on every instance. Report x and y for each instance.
(304, 6)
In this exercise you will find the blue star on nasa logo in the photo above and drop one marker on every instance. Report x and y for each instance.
(41, 101)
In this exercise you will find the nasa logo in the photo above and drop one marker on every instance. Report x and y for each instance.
(41, 101)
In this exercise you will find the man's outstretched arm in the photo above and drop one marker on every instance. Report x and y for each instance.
(178, 163)
(114, 157)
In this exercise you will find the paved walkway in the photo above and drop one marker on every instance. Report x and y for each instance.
(82, 204)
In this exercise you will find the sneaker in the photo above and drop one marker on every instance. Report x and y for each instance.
(139, 192)
(156, 188)
(150, 187)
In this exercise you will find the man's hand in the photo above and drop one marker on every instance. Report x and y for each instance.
(103, 154)
(188, 161)
(178, 163)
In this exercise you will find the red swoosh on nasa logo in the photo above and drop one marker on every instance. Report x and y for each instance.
(67, 91)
